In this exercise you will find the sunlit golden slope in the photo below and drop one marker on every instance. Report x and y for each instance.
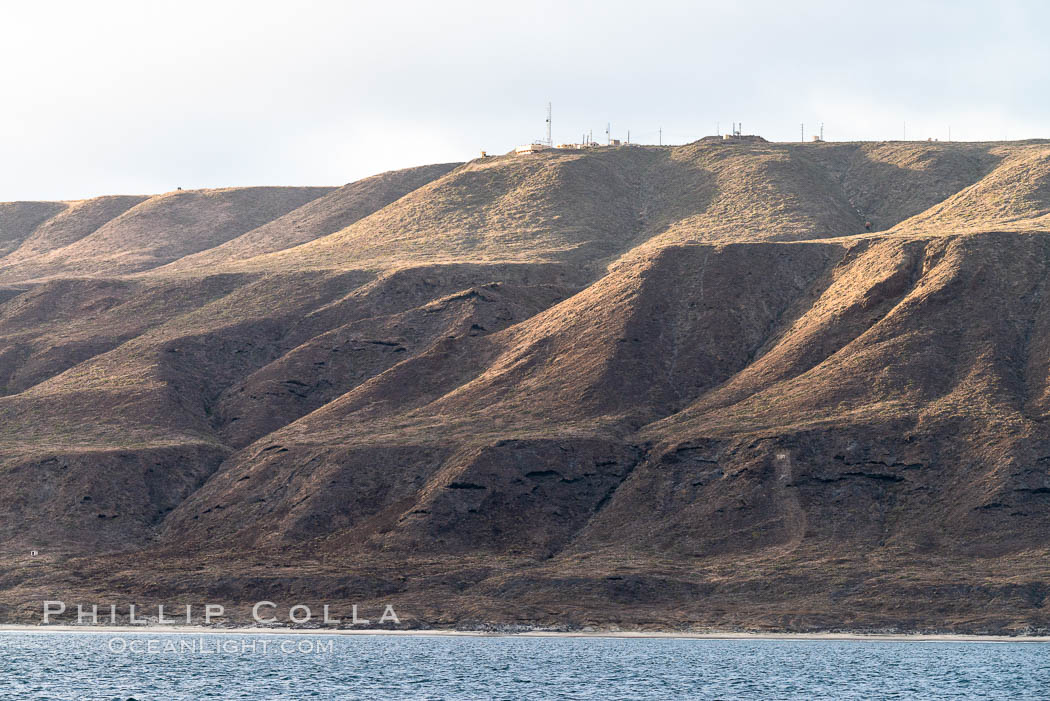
(105, 237)
(641, 386)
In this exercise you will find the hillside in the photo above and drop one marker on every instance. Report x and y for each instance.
(325, 215)
(648, 387)
(109, 236)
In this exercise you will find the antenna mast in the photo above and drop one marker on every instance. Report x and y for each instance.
(549, 142)
(608, 134)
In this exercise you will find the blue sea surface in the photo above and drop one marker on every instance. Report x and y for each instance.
(147, 666)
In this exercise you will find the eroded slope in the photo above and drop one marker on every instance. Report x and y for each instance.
(635, 386)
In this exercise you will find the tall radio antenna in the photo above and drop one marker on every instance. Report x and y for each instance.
(549, 142)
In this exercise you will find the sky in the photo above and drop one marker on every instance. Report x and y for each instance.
(108, 97)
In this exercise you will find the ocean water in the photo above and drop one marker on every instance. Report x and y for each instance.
(145, 666)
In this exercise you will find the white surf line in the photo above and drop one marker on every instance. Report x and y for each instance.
(419, 632)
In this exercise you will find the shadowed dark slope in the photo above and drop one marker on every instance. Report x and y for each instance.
(647, 387)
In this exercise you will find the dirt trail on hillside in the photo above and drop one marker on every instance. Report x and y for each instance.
(726, 384)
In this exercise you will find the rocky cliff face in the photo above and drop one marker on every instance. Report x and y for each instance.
(647, 387)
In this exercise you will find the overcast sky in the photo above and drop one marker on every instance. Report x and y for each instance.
(109, 97)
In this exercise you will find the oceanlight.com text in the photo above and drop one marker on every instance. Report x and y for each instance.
(219, 645)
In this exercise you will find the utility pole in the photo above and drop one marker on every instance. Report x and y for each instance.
(661, 136)
(803, 139)
(905, 131)
(822, 131)
(949, 135)
(628, 136)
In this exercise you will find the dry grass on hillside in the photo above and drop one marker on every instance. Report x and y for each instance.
(637, 385)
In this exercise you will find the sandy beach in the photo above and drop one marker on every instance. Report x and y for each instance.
(711, 635)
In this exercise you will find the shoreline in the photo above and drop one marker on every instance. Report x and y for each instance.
(415, 632)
